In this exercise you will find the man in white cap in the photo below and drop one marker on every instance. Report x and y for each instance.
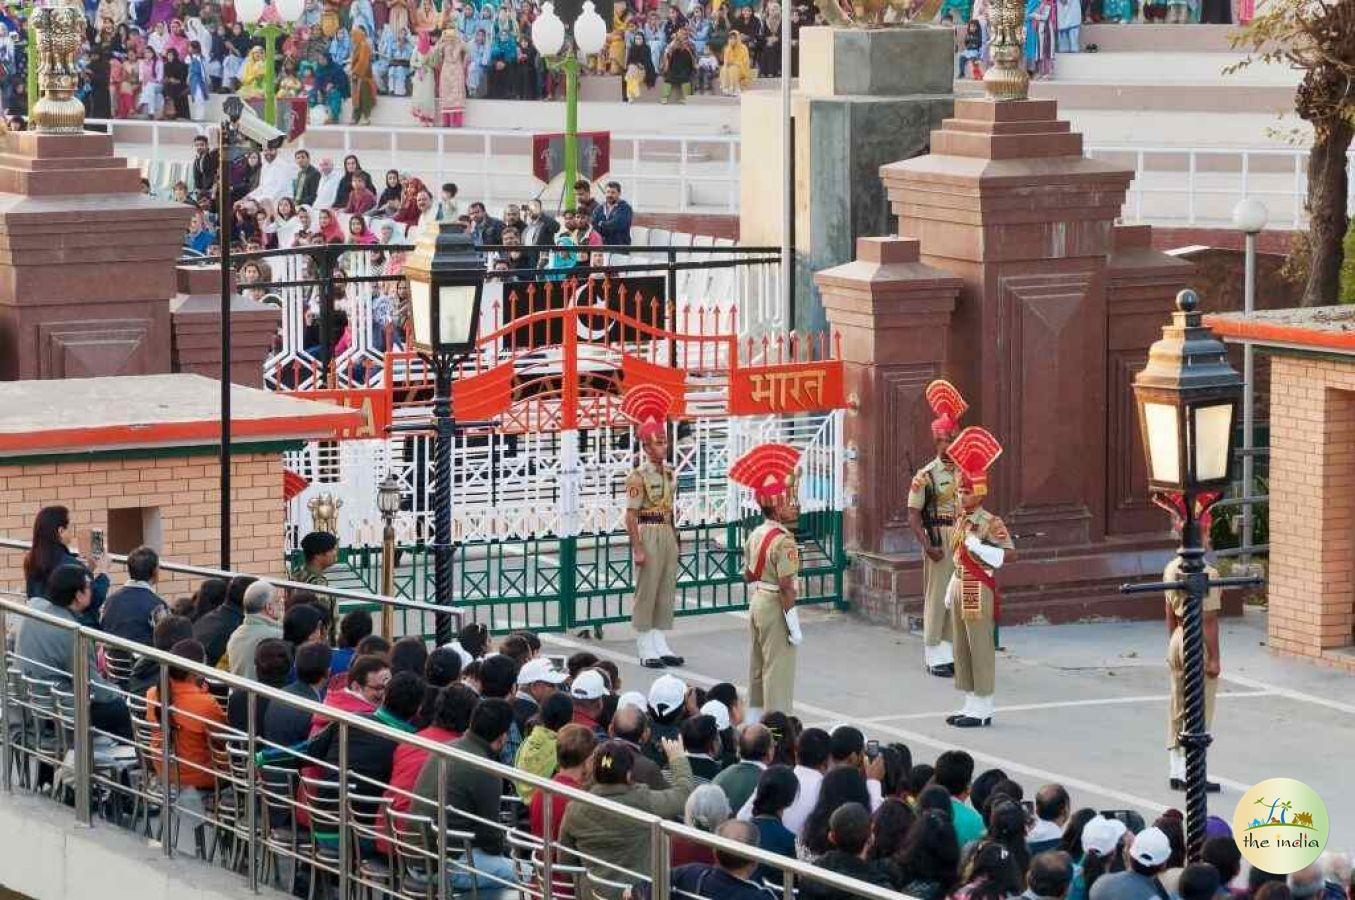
(1147, 857)
(537, 679)
(588, 691)
(666, 696)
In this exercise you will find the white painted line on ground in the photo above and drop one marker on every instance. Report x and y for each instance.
(1289, 693)
(913, 737)
(1103, 701)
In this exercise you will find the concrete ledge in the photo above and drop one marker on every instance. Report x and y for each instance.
(50, 857)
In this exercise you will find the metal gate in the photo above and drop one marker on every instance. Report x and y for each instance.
(538, 497)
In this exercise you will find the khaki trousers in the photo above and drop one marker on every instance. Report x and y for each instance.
(935, 582)
(656, 580)
(771, 666)
(1176, 669)
(975, 653)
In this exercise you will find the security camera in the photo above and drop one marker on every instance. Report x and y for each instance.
(257, 130)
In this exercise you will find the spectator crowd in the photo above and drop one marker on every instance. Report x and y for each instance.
(164, 59)
(823, 795)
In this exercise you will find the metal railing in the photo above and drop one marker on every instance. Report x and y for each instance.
(1199, 186)
(1185, 186)
(362, 598)
(659, 173)
(345, 813)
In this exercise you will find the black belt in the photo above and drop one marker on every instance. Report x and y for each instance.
(652, 518)
(939, 520)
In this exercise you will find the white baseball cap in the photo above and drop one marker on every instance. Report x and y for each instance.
(1102, 835)
(666, 694)
(717, 711)
(632, 698)
(540, 669)
(588, 685)
(1151, 847)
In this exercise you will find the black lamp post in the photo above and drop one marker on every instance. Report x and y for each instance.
(1187, 400)
(231, 110)
(446, 278)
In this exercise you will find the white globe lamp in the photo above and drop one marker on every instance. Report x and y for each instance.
(590, 32)
(548, 32)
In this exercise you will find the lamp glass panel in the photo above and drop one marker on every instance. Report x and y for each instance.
(420, 306)
(455, 315)
(1213, 427)
(388, 496)
(1164, 447)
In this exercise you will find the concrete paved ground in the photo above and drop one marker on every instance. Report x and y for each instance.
(1084, 705)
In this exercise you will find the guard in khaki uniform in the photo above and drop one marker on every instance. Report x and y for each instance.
(931, 513)
(980, 544)
(1176, 660)
(771, 566)
(650, 492)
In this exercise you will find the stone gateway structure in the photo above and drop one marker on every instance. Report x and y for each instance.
(1011, 279)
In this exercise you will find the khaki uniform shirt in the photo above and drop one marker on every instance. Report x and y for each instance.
(650, 488)
(942, 480)
(782, 559)
(1213, 600)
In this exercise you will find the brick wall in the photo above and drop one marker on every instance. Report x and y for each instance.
(183, 489)
(1312, 485)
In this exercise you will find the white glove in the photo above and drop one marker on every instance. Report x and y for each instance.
(990, 555)
(950, 587)
(793, 625)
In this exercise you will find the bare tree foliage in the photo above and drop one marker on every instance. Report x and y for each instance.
(1317, 37)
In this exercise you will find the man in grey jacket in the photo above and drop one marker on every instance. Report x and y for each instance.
(47, 651)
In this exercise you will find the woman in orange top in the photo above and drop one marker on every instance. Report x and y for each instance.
(194, 716)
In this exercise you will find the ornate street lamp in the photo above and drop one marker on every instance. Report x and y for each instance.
(446, 278)
(551, 41)
(1187, 398)
(251, 13)
(388, 502)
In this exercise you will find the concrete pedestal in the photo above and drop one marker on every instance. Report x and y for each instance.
(865, 98)
(86, 261)
(195, 314)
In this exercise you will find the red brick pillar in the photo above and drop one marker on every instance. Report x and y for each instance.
(195, 315)
(893, 313)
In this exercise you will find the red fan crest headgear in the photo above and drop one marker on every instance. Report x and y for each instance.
(974, 450)
(1175, 504)
(769, 470)
(948, 406)
(647, 406)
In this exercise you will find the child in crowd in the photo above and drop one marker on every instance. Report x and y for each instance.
(707, 71)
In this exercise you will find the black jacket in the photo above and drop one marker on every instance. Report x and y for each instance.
(206, 168)
(307, 185)
(469, 790)
(37, 587)
(843, 864)
(131, 612)
(214, 630)
(287, 725)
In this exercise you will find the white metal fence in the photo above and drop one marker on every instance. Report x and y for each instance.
(659, 173)
(1173, 186)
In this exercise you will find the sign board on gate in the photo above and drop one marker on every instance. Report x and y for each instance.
(595, 155)
(786, 388)
(375, 404)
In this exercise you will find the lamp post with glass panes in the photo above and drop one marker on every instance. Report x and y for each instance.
(446, 279)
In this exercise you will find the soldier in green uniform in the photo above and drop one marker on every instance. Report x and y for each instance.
(1176, 660)
(319, 550)
(650, 492)
(980, 545)
(771, 568)
(931, 513)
